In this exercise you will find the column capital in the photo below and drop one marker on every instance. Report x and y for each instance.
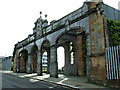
(39, 50)
(29, 53)
(53, 46)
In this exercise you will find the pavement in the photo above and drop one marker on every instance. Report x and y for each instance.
(69, 81)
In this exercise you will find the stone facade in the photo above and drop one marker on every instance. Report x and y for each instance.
(90, 19)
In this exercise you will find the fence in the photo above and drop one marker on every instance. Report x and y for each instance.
(113, 63)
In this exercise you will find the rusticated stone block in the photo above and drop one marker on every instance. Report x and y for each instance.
(98, 77)
(102, 61)
(94, 62)
(100, 31)
(98, 61)
(98, 70)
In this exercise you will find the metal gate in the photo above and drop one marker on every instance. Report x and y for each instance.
(113, 63)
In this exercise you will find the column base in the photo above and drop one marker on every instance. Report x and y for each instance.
(29, 71)
(55, 76)
(39, 74)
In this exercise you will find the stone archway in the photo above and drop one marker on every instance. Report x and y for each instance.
(68, 42)
(75, 52)
(94, 23)
(23, 61)
(34, 58)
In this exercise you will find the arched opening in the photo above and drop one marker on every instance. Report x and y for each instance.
(74, 43)
(23, 61)
(45, 57)
(61, 59)
(70, 63)
(34, 59)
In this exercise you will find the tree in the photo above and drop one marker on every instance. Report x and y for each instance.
(114, 32)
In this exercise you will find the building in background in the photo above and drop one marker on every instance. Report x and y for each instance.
(7, 63)
(1, 58)
(44, 62)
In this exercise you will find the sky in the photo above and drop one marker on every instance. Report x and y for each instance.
(17, 17)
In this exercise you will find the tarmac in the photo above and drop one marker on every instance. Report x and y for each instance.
(74, 82)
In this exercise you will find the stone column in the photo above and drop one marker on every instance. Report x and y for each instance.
(97, 59)
(67, 54)
(29, 65)
(75, 58)
(17, 65)
(67, 57)
(39, 66)
(88, 59)
(53, 62)
(80, 56)
(48, 61)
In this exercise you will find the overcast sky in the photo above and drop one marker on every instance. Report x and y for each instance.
(17, 17)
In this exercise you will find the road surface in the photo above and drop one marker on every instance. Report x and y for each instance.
(13, 81)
